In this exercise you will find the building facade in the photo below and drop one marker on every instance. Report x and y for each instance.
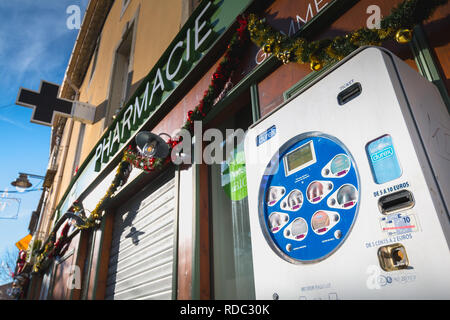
(181, 232)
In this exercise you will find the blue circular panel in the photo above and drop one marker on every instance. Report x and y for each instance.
(309, 198)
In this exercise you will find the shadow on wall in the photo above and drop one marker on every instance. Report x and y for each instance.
(134, 235)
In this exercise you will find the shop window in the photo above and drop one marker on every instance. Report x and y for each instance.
(121, 76)
(64, 278)
(86, 276)
(94, 62)
(231, 243)
(272, 88)
(46, 284)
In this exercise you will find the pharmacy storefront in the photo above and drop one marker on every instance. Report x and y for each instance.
(260, 175)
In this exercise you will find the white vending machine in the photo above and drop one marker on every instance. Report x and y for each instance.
(349, 187)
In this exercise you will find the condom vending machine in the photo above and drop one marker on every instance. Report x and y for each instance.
(349, 187)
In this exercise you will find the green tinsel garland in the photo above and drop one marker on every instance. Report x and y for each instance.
(319, 53)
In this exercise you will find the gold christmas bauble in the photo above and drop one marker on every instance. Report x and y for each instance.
(404, 36)
(316, 65)
(267, 48)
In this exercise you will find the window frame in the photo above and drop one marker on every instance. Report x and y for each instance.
(125, 4)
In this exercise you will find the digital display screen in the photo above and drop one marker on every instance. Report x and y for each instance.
(300, 157)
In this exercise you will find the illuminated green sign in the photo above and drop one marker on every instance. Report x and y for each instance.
(210, 20)
(162, 80)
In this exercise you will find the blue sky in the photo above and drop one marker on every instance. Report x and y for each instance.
(35, 45)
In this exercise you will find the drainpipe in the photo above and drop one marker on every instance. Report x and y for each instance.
(38, 233)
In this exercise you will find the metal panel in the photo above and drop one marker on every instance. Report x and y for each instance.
(142, 249)
(357, 269)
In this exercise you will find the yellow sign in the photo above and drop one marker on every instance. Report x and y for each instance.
(22, 244)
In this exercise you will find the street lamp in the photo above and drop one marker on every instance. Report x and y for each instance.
(22, 183)
(151, 145)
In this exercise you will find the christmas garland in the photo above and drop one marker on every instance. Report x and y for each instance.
(397, 25)
(53, 248)
(221, 76)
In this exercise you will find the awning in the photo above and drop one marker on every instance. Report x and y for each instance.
(23, 243)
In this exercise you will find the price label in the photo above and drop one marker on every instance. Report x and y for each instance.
(399, 223)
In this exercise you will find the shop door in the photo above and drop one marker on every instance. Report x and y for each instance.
(232, 264)
(142, 248)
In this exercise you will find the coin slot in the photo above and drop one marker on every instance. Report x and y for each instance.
(398, 201)
(349, 94)
(393, 257)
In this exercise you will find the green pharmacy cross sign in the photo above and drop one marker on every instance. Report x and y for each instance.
(45, 103)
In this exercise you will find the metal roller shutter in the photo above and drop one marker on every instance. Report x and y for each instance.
(142, 249)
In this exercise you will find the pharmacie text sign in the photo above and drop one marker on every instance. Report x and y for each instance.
(162, 81)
